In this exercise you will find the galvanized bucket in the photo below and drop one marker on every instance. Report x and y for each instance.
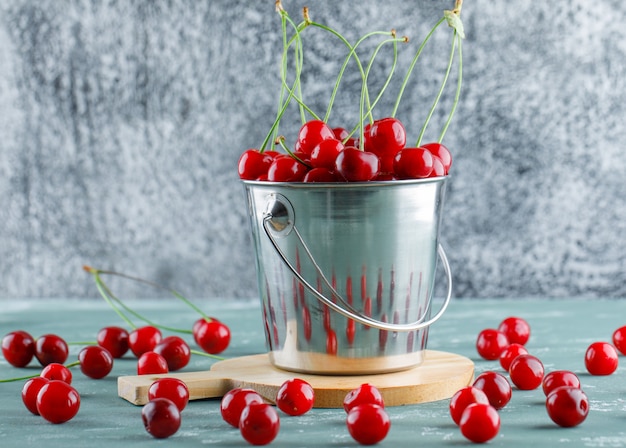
(346, 272)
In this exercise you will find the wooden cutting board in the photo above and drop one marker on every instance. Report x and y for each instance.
(437, 378)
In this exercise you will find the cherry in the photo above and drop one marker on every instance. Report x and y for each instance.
(325, 153)
(516, 330)
(143, 339)
(259, 423)
(385, 137)
(601, 358)
(56, 371)
(442, 153)
(175, 351)
(211, 335)
(253, 164)
(496, 387)
(619, 339)
(567, 406)
(480, 422)
(526, 372)
(413, 163)
(559, 378)
(321, 175)
(114, 339)
(51, 348)
(490, 343)
(510, 353)
(356, 165)
(368, 423)
(30, 390)
(161, 418)
(286, 169)
(95, 362)
(311, 133)
(463, 398)
(365, 393)
(438, 168)
(151, 363)
(295, 397)
(18, 348)
(341, 134)
(57, 401)
(171, 388)
(233, 403)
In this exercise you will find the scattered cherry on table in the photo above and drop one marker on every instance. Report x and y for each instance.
(490, 343)
(171, 388)
(161, 418)
(365, 393)
(176, 352)
(368, 423)
(480, 422)
(51, 348)
(526, 372)
(56, 371)
(496, 387)
(95, 361)
(516, 329)
(114, 339)
(57, 401)
(259, 423)
(567, 406)
(601, 358)
(295, 397)
(234, 401)
(151, 363)
(559, 378)
(18, 348)
(463, 398)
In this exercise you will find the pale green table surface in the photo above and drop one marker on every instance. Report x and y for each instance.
(561, 331)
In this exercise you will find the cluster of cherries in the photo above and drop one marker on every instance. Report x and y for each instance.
(475, 408)
(325, 154)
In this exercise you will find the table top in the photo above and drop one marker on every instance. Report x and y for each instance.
(561, 332)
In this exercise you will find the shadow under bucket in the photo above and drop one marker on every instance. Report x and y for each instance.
(346, 272)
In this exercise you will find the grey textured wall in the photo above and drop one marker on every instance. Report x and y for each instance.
(121, 124)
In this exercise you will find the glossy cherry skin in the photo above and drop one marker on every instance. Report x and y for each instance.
(212, 336)
(463, 398)
(234, 402)
(144, 339)
(480, 422)
(496, 387)
(325, 153)
(490, 344)
(559, 378)
(171, 388)
(295, 397)
(510, 353)
(413, 163)
(259, 423)
(365, 393)
(322, 175)
(176, 352)
(151, 363)
(341, 134)
(57, 401)
(311, 133)
(438, 169)
(442, 153)
(355, 165)
(526, 372)
(95, 362)
(51, 348)
(286, 169)
(619, 339)
(18, 348)
(161, 418)
(516, 330)
(567, 406)
(385, 137)
(253, 164)
(56, 371)
(30, 390)
(114, 339)
(368, 423)
(601, 358)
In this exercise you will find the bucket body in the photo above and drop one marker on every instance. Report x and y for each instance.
(346, 272)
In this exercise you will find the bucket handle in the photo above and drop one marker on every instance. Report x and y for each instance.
(278, 221)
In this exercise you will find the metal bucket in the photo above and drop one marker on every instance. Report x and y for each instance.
(346, 272)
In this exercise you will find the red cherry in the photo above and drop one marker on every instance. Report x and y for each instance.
(463, 398)
(341, 134)
(516, 330)
(161, 418)
(286, 169)
(29, 392)
(321, 175)
(234, 402)
(176, 352)
(51, 348)
(496, 387)
(567, 406)
(601, 358)
(559, 378)
(413, 163)
(144, 339)
(259, 423)
(295, 397)
(480, 422)
(491, 343)
(151, 363)
(619, 339)
(438, 169)
(440, 151)
(526, 372)
(56, 371)
(365, 393)
(57, 401)
(253, 164)
(356, 165)
(212, 336)
(385, 137)
(114, 339)
(311, 133)
(95, 362)
(18, 348)
(325, 153)
(368, 423)
(171, 388)
(510, 353)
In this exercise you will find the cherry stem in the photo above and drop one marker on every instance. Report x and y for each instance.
(280, 140)
(206, 355)
(458, 87)
(28, 377)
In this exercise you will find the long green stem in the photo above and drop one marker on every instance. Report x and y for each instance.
(458, 90)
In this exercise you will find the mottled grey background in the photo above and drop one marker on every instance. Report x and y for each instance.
(121, 123)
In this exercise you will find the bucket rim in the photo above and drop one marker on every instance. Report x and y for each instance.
(347, 185)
